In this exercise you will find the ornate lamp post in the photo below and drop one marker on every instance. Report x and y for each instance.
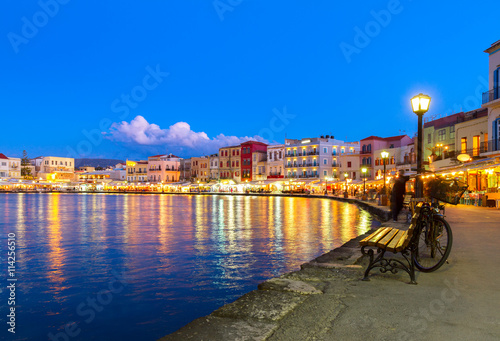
(345, 177)
(363, 170)
(385, 156)
(420, 105)
(326, 185)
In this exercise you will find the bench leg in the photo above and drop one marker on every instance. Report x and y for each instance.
(391, 265)
(373, 262)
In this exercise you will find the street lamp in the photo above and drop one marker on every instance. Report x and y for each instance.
(420, 105)
(440, 146)
(363, 170)
(345, 177)
(384, 155)
(326, 186)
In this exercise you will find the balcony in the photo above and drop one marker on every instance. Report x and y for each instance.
(490, 146)
(491, 95)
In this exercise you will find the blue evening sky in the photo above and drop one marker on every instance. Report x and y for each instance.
(230, 70)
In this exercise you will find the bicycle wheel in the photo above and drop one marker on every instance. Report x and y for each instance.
(434, 246)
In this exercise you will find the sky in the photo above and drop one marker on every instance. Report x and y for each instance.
(128, 79)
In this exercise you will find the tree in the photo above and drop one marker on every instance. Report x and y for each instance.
(25, 166)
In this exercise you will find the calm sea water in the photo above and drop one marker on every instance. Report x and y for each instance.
(138, 267)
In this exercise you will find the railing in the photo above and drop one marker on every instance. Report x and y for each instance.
(491, 95)
(365, 152)
(490, 146)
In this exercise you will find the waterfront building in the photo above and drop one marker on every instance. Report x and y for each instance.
(200, 170)
(137, 171)
(252, 155)
(163, 168)
(275, 161)
(491, 101)
(439, 132)
(86, 169)
(10, 167)
(348, 163)
(214, 166)
(316, 158)
(185, 169)
(54, 168)
(229, 163)
(370, 153)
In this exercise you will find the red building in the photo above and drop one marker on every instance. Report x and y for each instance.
(251, 154)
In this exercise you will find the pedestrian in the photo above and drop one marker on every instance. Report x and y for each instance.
(397, 194)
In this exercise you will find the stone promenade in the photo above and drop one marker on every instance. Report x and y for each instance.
(326, 300)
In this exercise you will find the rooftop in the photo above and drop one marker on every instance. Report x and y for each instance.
(3, 156)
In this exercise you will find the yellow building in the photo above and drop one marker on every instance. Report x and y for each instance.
(137, 171)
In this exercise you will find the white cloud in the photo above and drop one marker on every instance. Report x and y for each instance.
(177, 137)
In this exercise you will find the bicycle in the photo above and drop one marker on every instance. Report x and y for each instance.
(434, 235)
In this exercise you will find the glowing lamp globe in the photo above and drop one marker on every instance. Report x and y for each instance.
(420, 104)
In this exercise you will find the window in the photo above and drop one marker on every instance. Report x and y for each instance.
(325, 161)
(325, 173)
(393, 160)
(429, 138)
(369, 161)
(442, 135)
(221, 164)
(377, 162)
(475, 145)
(325, 150)
(280, 154)
(348, 164)
(335, 150)
(237, 163)
(232, 164)
(369, 148)
(237, 152)
(463, 145)
(452, 132)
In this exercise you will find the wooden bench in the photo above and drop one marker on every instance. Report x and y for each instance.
(395, 241)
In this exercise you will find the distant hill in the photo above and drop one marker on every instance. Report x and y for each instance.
(97, 162)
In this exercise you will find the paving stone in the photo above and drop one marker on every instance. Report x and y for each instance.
(283, 284)
(211, 328)
(261, 305)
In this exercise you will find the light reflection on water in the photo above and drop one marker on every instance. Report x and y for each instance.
(183, 256)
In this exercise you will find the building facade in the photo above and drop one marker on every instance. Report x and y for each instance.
(54, 168)
(229, 163)
(371, 149)
(200, 170)
(491, 100)
(10, 167)
(252, 153)
(275, 166)
(185, 170)
(163, 168)
(316, 158)
(137, 171)
(214, 166)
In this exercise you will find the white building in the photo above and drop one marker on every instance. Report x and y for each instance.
(214, 167)
(491, 100)
(316, 158)
(275, 167)
(54, 168)
(10, 167)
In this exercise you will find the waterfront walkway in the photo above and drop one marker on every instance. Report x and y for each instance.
(326, 300)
